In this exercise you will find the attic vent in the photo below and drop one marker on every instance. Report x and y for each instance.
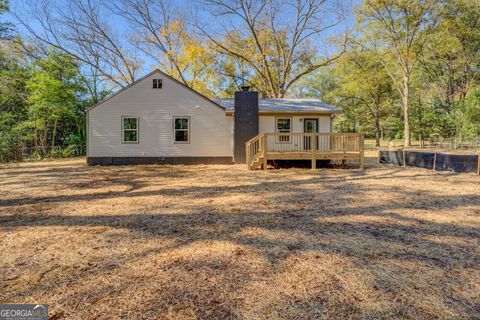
(157, 83)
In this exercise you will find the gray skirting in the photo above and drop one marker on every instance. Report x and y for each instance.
(108, 161)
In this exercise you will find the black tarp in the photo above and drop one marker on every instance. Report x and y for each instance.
(391, 157)
(419, 159)
(443, 162)
(457, 162)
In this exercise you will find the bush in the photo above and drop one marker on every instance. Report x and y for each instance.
(70, 151)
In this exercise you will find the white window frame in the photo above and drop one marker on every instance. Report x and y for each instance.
(137, 129)
(286, 138)
(175, 130)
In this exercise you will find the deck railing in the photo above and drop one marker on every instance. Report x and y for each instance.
(299, 142)
(304, 146)
(253, 148)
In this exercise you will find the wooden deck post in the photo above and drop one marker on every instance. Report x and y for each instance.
(314, 150)
(264, 151)
(362, 155)
(248, 157)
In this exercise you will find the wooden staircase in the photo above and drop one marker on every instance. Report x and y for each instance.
(256, 164)
(255, 149)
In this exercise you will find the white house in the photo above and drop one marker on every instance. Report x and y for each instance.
(157, 119)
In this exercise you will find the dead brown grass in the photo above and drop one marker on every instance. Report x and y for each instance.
(221, 242)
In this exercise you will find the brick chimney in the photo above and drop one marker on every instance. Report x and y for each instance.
(246, 121)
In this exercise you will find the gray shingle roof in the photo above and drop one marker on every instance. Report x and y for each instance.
(305, 105)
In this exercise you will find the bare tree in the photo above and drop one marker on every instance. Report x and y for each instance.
(79, 29)
(151, 17)
(279, 52)
(160, 31)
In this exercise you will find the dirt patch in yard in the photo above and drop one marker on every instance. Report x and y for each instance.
(222, 242)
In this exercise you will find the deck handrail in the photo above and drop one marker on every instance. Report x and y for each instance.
(254, 138)
(253, 148)
(325, 142)
(349, 134)
(270, 144)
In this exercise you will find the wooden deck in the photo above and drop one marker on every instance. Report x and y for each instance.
(304, 146)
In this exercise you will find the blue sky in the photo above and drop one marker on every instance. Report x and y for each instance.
(189, 6)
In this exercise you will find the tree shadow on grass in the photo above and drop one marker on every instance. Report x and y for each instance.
(276, 235)
(132, 186)
(365, 243)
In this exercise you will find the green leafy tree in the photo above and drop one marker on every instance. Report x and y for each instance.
(469, 114)
(55, 88)
(452, 59)
(13, 108)
(397, 31)
(449, 69)
(364, 91)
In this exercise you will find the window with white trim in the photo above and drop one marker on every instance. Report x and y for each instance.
(284, 125)
(181, 129)
(130, 129)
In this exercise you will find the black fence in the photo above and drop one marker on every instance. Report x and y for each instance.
(41, 152)
(431, 160)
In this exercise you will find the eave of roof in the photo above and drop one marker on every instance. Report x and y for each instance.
(286, 112)
(284, 106)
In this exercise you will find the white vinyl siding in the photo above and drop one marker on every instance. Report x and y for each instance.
(268, 124)
(210, 129)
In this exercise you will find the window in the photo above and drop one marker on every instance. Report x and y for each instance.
(130, 129)
(284, 126)
(181, 129)
(157, 83)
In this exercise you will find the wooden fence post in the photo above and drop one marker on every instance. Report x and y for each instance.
(434, 161)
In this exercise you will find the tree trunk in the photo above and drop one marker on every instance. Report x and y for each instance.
(35, 133)
(43, 140)
(54, 133)
(377, 130)
(406, 102)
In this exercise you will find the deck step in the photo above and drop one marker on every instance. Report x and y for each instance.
(256, 164)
